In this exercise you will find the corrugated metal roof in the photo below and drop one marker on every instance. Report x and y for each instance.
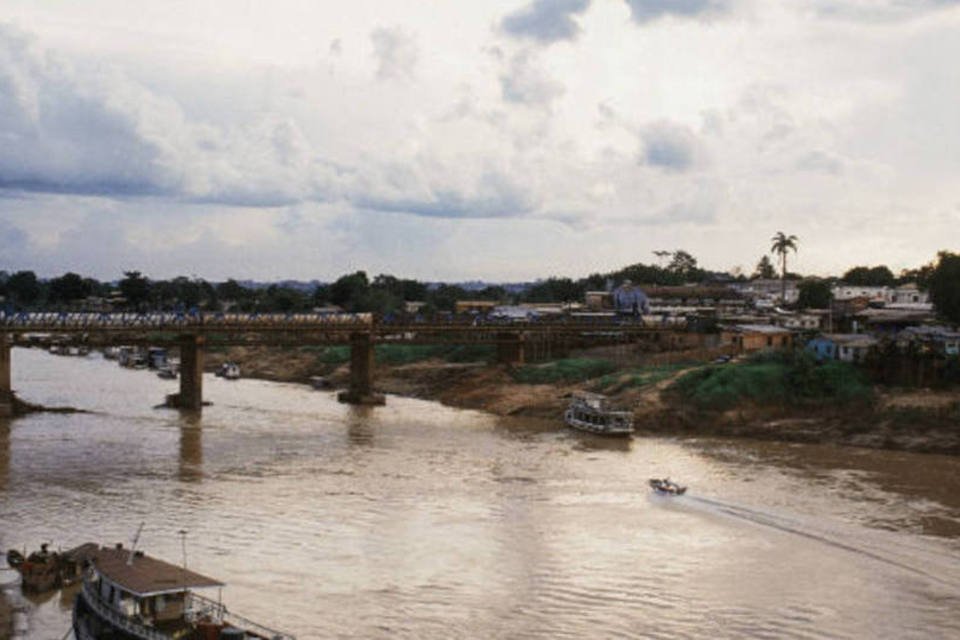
(147, 576)
(759, 328)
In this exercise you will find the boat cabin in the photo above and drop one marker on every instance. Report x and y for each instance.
(151, 591)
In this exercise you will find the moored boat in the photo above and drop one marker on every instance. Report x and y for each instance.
(45, 570)
(591, 412)
(131, 596)
(666, 487)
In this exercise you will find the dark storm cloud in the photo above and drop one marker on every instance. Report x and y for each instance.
(546, 21)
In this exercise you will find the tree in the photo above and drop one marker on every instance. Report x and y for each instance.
(24, 288)
(781, 246)
(944, 286)
(683, 265)
(814, 293)
(662, 255)
(350, 291)
(135, 288)
(870, 277)
(765, 269)
(920, 276)
(68, 288)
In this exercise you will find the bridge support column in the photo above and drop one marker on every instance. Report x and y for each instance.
(361, 372)
(510, 348)
(6, 391)
(191, 373)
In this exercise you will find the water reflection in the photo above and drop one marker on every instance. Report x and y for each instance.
(591, 442)
(190, 467)
(4, 453)
(360, 426)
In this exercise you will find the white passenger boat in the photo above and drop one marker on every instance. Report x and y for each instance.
(590, 412)
(127, 595)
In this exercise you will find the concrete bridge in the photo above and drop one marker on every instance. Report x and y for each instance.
(192, 333)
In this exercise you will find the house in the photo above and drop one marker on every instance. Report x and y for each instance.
(889, 322)
(908, 294)
(847, 347)
(757, 337)
(798, 321)
(850, 292)
(764, 292)
(474, 306)
(514, 313)
(598, 300)
(937, 339)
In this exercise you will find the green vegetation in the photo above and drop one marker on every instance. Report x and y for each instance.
(332, 355)
(945, 286)
(774, 378)
(635, 377)
(566, 370)
(399, 354)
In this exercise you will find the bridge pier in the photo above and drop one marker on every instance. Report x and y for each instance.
(6, 391)
(511, 348)
(361, 372)
(191, 373)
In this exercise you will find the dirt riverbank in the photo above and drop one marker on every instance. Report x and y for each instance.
(920, 421)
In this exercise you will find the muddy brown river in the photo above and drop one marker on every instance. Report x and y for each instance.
(416, 520)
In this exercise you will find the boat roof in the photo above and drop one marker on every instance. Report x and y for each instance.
(147, 576)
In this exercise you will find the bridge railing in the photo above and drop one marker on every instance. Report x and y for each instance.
(160, 320)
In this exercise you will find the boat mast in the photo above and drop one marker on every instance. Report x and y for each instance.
(133, 545)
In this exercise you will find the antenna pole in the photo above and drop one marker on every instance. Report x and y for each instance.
(133, 546)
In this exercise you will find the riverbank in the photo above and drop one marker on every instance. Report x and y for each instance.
(922, 421)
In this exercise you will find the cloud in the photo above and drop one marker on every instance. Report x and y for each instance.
(671, 147)
(430, 188)
(820, 161)
(66, 131)
(878, 11)
(524, 82)
(546, 21)
(396, 51)
(649, 10)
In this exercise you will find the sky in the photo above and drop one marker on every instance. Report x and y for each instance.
(503, 140)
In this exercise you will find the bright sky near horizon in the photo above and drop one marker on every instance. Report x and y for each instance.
(502, 140)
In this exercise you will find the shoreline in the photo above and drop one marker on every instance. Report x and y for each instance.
(918, 421)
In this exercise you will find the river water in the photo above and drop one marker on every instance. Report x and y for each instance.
(416, 520)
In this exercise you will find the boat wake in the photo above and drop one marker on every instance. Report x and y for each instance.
(911, 559)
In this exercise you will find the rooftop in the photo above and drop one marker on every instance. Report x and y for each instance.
(147, 576)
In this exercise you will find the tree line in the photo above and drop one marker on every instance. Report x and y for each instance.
(357, 292)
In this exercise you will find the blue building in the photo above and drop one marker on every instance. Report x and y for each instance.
(629, 299)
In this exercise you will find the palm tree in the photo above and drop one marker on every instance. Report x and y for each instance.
(781, 246)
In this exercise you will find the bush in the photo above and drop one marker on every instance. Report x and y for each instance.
(334, 355)
(774, 378)
(407, 353)
(567, 370)
(471, 353)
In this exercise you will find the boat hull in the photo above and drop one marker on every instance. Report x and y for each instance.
(597, 429)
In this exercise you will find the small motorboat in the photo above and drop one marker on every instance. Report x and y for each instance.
(228, 371)
(666, 487)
